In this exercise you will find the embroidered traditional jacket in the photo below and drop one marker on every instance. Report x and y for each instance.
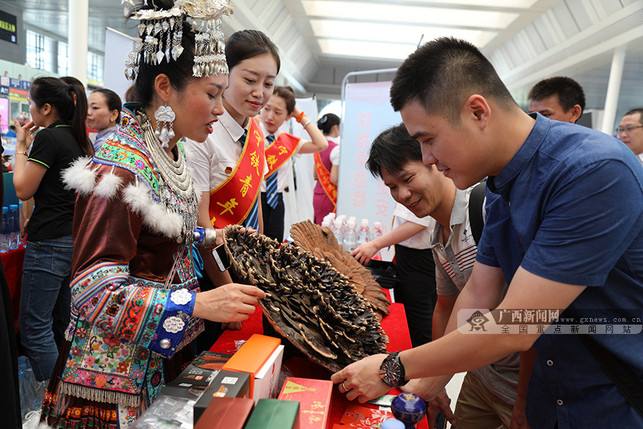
(125, 316)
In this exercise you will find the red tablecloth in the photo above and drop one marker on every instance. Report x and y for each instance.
(12, 264)
(394, 324)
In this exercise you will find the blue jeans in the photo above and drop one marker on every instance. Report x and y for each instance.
(45, 302)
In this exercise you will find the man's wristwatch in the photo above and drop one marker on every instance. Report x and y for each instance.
(392, 371)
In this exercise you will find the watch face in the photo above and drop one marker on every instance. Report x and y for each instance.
(392, 372)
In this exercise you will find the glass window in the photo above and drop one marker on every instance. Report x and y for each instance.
(63, 59)
(36, 50)
(39, 49)
(95, 68)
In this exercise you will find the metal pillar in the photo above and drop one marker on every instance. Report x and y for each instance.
(77, 38)
(613, 90)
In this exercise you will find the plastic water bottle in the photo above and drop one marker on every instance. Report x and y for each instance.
(21, 222)
(27, 385)
(377, 232)
(329, 218)
(350, 238)
(363, 235)
(14, 227)
(337, 230)
(342, 218)
(5, 233)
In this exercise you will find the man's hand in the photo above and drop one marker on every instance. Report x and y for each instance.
(361, 380)
(440, 404)
(365, 252)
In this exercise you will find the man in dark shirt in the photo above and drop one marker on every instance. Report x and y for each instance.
(558, 98)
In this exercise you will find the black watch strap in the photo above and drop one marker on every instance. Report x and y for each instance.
(392, 371)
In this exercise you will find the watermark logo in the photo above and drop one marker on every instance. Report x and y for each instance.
(550, 321)
(477, 321)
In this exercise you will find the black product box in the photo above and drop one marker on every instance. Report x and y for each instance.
(226, 384)
(196, 378)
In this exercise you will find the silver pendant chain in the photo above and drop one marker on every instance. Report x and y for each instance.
(176, 190)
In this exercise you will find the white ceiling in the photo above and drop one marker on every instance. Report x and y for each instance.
(322, 40)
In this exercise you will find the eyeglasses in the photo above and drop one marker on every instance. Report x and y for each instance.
(622, 130)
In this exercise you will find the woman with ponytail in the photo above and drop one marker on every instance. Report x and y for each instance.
(60, 110)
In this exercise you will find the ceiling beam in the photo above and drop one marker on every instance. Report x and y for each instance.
(620, 29)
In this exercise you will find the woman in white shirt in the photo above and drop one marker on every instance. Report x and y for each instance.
(253, 61)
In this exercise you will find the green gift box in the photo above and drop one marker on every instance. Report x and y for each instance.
(274, 414)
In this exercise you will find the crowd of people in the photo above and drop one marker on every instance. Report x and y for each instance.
(497, 210)
(554, 243)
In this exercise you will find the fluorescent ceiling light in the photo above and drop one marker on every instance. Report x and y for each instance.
(375, 50)
(396, 33)
(408, 14)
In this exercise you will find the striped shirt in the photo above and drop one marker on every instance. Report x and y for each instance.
(454, 260)
(453, 266)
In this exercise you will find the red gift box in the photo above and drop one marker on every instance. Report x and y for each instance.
(360, 417)
(225, 413)
(314, 400)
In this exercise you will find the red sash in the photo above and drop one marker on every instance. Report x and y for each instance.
(323, 175)
(232, 200)
(280, 151)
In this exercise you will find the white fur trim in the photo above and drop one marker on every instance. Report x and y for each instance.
(108, 185)
(154, 214)
(79, 176)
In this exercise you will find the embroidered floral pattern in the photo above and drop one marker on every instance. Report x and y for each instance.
(181, 297)
(109, 352)
(173, 324)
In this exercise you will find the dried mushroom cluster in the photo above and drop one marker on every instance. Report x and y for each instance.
(322, 243)
(308, 301)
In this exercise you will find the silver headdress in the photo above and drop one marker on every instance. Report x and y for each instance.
(161, 33)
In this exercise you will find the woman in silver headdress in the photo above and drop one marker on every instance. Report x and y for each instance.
(135, 299)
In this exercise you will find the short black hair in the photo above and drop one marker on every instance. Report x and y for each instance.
(392, 150)
(638, 110)
(442, 74)
(569, 92)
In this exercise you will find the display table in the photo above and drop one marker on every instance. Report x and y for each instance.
(12, 263)
(394, 324)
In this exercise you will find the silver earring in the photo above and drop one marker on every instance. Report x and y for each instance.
(164, 116)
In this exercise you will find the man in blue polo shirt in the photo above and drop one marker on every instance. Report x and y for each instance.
(573, 197)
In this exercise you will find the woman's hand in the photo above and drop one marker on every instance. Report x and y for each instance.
(228, 303)
(24, 135)
(295, 112)
(220, 238)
